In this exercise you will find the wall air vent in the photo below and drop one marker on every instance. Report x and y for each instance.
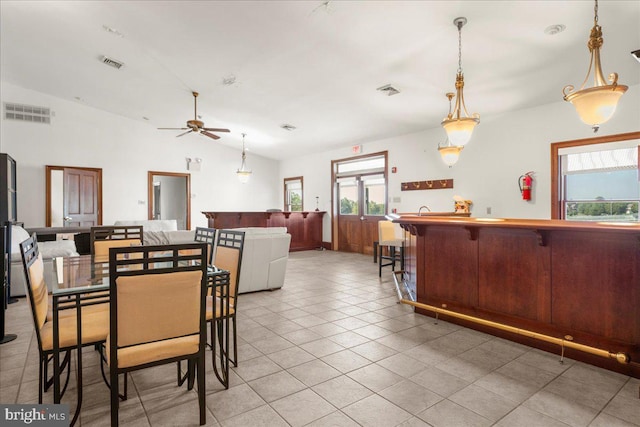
(388, 90)
(112, 62)
(27, 113)
(288, 127)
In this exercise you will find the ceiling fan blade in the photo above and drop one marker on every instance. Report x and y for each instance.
(210, 135)
(184, 133)
(173, 128)
(216, 130)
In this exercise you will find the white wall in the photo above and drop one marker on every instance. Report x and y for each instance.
(501, 149)
(126, 149)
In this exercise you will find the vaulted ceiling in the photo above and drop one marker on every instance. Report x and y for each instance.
(311, 64)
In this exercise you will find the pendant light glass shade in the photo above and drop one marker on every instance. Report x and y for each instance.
(243, 173)
(595, 105)
(450, 153)
(459, 127)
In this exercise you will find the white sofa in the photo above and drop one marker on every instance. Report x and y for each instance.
(49, 250)
(264, 258)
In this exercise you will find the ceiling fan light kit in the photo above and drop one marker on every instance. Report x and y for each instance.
(597, 104)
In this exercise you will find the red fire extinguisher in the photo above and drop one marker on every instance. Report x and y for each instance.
(525, 182)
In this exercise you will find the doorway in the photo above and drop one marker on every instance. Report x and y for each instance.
(170, 197)
(74, 196)
(359, 201)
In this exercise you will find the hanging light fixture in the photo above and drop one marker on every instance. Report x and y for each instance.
(458, 127)
(243, 173)
(450, 153)
(595, 105)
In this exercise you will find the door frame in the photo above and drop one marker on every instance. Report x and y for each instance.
(48, 169)
(335, 203)
(187, 177)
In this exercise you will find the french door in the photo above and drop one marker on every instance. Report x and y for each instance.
(359, 202)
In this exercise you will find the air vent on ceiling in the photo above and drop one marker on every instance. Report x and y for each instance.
(27, 113)
(288, 127)
(636, 54)
(389, 90)
(112, 62)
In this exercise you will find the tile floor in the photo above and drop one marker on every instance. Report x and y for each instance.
(333, 348)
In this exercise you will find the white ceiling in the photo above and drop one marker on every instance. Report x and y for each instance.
(312, 64)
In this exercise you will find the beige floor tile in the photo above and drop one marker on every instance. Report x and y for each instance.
(375, 377)
(256, 368)
(301, 336)
(314, 372)
(373, 351)
(291, 357)
(439, 381)
(589, 394)
(264, 416)
(276, 386)
(302, 408)
(334, 419)
(507, 387)
(410, 396)
(565, 410)
(271, 345)
(346, 361)
(234, 401)
(374, 411)
(349, 339)
(447, 414)
(522, 416)
(606, 420)
(322, 347)
(484, 402)
(342, 391)
(627, 409)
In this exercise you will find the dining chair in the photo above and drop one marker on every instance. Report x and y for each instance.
(57, 331)
(389, 238)
(157, 312)
(222, 306)
(208, 236)
(113, 236)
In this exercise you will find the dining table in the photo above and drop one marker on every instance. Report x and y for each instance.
(81, 282)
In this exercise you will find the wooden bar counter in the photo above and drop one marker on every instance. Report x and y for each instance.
(305, 227)
(578, 281)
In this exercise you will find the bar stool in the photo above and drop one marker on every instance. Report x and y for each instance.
(389, 236)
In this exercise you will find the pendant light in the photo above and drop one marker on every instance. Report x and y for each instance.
(243, 173)
(458, 127)
(450, 153)
(595, 105)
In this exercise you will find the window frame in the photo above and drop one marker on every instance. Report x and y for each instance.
(287, 206)
(557, 211)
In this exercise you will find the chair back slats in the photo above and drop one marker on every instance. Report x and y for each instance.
(35, 283)
(229, 256)
(158, 307)
(105, 237)
(208, 236)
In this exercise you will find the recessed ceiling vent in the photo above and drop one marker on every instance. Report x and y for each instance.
(112, 62)
(288, 127)
(388, 90)
(27, 113)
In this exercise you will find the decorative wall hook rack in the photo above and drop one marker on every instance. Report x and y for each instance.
(435, 184)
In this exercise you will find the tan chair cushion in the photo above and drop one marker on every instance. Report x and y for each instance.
(155, 307)
(227, 259)
(151, 352)
(101, 247)
(39, 291)
(95, 328)
(72, 312)
(220, 310)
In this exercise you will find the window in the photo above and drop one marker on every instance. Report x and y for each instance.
(293, 200)
(599, 181)
(362, 186)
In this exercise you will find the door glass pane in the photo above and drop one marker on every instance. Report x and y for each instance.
(374, 196)
(348, 196)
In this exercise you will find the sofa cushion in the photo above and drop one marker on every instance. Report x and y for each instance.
(18, 235)
(168, 237)
(57, 248)
(256, 231)
(152, 224)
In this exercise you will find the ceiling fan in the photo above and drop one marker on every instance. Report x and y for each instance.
(196, 125)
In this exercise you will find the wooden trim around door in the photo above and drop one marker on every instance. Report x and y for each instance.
(48, 169)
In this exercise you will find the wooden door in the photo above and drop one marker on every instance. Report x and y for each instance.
(80, 198)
